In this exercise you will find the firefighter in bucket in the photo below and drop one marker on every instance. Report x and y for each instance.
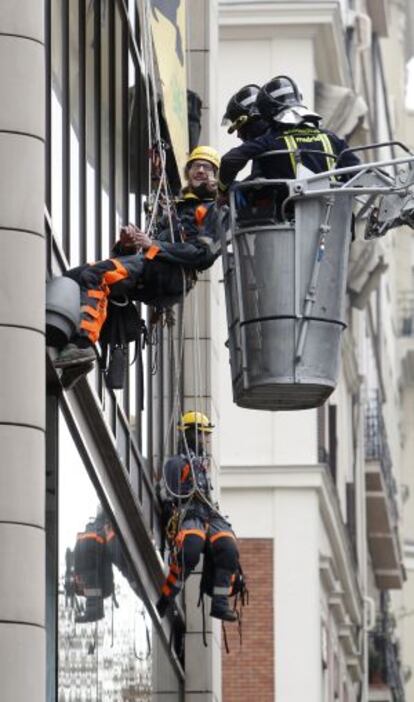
(195, 525)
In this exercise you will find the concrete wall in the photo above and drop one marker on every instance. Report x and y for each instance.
(22, 352)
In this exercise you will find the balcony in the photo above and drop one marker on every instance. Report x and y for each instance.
(386, 680)
(382, 508)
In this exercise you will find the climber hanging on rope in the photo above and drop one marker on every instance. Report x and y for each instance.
(195, 524)
(155, 270)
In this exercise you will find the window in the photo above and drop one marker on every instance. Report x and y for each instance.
(107, 646)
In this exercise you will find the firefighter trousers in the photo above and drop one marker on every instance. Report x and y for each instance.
(190, 542)
(95, 281)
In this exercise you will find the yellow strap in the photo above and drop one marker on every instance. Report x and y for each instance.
(292, 146)
(327, 147)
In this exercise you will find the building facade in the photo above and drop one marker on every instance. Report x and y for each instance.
(94, 91)
(91, 93)
(317, 495)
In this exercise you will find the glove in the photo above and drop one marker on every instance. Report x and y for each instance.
(222, 199)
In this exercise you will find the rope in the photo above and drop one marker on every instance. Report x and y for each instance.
(177, 361)
(148, 50)
(177, 349)
(152, 110)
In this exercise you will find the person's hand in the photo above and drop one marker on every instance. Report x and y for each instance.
(127, 236)
(133, 238)
(222, 199)
(212, 184)
(142, 240)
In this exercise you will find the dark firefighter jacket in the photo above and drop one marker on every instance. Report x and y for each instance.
(196, 242)
(170, 267)
(196, 238)
(283, 166)
(179, 476)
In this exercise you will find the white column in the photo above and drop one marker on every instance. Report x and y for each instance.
(22, 352)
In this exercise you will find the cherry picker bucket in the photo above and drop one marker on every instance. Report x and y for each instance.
(285, 259)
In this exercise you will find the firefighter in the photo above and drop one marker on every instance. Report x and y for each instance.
(89, 568)
(292, 127)
(151, 270)
(242, 116)
(195, 522)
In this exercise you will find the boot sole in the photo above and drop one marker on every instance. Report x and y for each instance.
(70, 363)
(224, 619)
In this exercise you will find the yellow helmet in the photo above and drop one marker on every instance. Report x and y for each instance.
(191, 419)
(204, 153)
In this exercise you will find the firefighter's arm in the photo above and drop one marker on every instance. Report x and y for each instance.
(166, 502)
(198, 254)
(234, 160)
(340, 145)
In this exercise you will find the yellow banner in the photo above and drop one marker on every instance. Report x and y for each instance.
(168, 30)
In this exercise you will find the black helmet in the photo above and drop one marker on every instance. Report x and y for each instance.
(276, 95)
(241, 108)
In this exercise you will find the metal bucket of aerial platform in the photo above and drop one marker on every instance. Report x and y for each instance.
(285, 273)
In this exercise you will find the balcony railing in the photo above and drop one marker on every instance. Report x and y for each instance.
(384, 658)
(381, 496)
(377, 448)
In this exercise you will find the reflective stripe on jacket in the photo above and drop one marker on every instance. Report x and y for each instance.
(306, 138)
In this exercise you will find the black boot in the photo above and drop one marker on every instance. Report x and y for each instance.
(162, 605)
(220, 609)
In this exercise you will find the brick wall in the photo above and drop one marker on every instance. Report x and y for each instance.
(248, 671)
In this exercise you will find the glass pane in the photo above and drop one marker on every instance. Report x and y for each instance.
(105, 127)
(107, 647)
(74, 132)
(90, 134)
(120, 118)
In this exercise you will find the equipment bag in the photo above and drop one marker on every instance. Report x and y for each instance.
(123, 325)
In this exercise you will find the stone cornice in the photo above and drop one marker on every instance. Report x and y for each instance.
(307, 477)
(320, 21)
